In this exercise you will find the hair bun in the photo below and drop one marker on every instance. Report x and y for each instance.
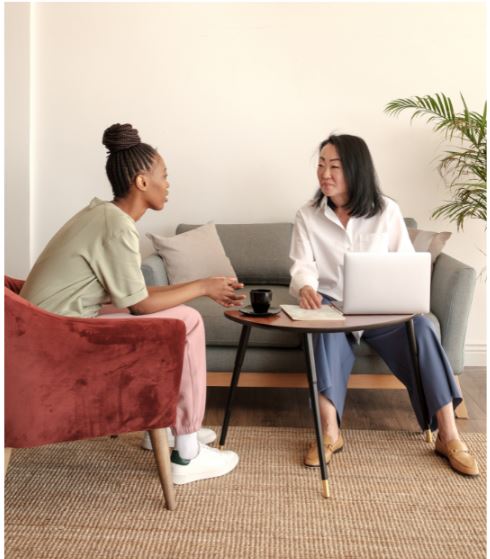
(120, 136)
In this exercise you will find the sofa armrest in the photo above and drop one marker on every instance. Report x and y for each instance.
(153, 269)
(452, 288)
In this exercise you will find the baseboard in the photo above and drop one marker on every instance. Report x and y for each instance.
(475, 355)
(299, 380)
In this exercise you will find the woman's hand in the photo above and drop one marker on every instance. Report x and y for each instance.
(161, 297)
(309, 298)
(222, 290)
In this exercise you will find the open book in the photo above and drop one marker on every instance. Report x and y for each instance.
(327, 312)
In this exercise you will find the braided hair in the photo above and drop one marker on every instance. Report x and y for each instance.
(127, 157)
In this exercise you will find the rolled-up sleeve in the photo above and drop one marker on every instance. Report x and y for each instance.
(119, 269)
(304, 270)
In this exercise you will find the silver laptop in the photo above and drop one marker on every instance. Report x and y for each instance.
(386, 283)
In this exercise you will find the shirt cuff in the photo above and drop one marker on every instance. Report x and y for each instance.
(299, 282)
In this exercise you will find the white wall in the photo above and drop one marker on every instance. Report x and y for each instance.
(237, 97)
(17, 151)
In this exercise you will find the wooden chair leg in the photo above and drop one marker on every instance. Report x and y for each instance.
(161, 452)
(6, 460)
(461, 412)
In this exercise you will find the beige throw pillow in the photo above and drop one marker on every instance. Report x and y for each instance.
(428, 241)
(193, 255)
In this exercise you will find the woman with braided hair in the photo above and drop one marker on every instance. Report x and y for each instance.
(94, 259)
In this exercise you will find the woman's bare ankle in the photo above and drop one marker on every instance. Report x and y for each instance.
(329, 420)
(331, 431)
(445, 437)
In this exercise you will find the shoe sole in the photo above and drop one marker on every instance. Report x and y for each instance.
(460, 469)
(189, 478)
(318, 465)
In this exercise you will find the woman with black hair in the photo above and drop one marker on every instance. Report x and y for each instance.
(349, 213)
(95, 259)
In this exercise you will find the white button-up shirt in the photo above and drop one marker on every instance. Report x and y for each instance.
(319, 242)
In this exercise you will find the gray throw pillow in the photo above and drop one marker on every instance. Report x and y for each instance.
(193, 255)
(428, 241)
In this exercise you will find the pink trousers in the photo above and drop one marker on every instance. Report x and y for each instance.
(192, 399)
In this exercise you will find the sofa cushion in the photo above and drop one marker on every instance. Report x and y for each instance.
(193, 255)
(428, 241)
(259, 252)
(221, 331)
(257, 359)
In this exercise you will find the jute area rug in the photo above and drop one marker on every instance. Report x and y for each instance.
(392, 497)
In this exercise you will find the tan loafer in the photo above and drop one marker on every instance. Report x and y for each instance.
(312, 460)
(459, 456)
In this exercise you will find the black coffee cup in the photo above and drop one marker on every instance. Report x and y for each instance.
(261, 300)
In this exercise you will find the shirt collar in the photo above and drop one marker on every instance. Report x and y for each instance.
(329, 213)
(332, 216)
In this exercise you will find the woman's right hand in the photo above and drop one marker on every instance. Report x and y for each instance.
(309, 298)
(222, 290)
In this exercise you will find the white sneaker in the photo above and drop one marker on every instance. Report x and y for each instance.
(204, 435)
(209, 463)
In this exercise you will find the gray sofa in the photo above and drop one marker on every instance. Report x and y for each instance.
(259, 255)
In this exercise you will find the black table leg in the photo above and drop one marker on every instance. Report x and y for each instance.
(242, 348)
(312, 382)
(412, 341)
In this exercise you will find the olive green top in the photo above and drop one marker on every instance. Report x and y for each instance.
(93, 259)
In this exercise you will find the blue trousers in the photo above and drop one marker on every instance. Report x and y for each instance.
(334, 358)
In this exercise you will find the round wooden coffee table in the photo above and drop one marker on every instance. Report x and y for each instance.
(349, 324)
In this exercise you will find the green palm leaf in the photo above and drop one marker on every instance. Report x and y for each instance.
(468, 159)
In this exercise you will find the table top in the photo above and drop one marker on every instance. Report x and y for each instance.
(350, 323)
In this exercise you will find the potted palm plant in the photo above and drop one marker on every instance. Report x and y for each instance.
(464, 164)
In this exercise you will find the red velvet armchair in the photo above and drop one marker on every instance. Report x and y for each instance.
(73, 378)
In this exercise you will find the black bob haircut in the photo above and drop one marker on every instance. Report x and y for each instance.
(365, 198)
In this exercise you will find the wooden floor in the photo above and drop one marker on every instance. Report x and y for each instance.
(364, 409)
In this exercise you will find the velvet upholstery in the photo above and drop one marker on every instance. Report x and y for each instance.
(73, 378)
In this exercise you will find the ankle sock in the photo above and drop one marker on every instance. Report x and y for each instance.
(187, 445)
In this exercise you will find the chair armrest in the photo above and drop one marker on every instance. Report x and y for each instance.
(13, 284)
(76, 378)
(153, 269)
(452, 288)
